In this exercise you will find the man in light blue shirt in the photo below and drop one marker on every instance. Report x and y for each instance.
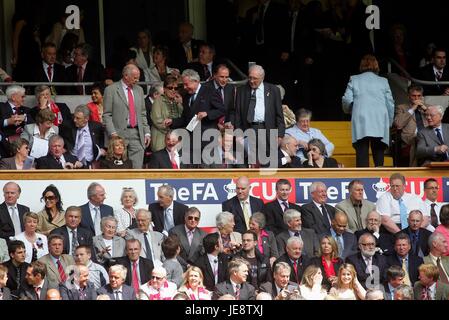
(304, 133)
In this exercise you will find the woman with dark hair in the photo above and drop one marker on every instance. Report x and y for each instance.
(316, 156)
(443, 228)
(116, 155)
(368, 97)
(96, 105)
(20, 148)
(144, 49)
(160, 70)
(52, 216)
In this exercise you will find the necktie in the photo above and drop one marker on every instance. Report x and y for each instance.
(206, 72)
(340, 245)
(80, 79)
(192, 100)
(245, 213)
(326, 217)
(433, 215)
(132, 108)
(285, 204)
(34, 255)
(74, 242)
(117, 295)
(135, 278)
(15, 221)
(368, 262)
(81, 144)
(97, 222)
(295, 268)
(251, 107)
(404, 214)
(221, 92)
(16, 110)
(189, 54)
(438, 75)
(419, 120)
(443, 276)
(61, 272)
(237, 292)
(425, 294)
(407, 276)
(215, 271)
(147, 247)
(358, 214)
(438, 133)
(168, 220)
(82, 293)
(58, 160)
(49, 73)
(174, 165)
(190, 236)
(37, 291)
(296, 234)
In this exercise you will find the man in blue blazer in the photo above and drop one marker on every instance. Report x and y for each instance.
(117, 289)
(94, 210)
(236, 204)
(346, 241)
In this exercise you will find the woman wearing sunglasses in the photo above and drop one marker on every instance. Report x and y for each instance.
(52, 216)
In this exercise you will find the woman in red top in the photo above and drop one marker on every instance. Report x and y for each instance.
(96, 106)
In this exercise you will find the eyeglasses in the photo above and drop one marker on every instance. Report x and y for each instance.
(127, 189)
(370, 244)
(171, 88)
(193, 218)
(157, 278)
(49, 198)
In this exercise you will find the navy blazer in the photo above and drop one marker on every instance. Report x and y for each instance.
(275, 216)
(49, 162)
(127, 292)
(233, 205)
(247, 291)
(83, 235)
(74, 294)
(313, 218)
(423, 240)
(413, 264)
(360, 266)
(208, 274)
(145, 268)
(86, 218)
(157, 214)
(385, 240)
(303, 263)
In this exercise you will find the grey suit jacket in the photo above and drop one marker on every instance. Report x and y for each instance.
(189, 252)
(270, 287)
(444, 262)
(8, 163)
(156, 241)
(4, 256)
(442, 292)
(127, 292)
(118, 248)
(347, 207)
(309, 238)
(28, 291)
(247, 291)
(116, 110)
(52, 270)
(6, 294)
(427, 141)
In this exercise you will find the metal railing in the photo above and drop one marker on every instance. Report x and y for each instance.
(414, 80)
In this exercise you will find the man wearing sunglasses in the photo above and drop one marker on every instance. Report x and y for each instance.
(190, 236)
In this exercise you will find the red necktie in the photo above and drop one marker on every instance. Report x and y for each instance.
(49, 72)
(237, 292)
(295, 267)
(135, 278)
(132, 108)
(174, 165)
(61, 272)
(80, 79)
(37, 292)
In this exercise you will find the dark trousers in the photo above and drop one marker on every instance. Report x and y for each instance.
(362, 152)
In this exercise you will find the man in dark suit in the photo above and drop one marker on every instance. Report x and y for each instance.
(368, 263)
(236, 285)
(56, 157)
(295, 259)
(166, 213)
(419, 237)
(94, 210)
(404, 258)
(11, 213)
(37, 282)
(205, 64)
(73, 234)
(287, 153)
(205, 103)
(84, 69)
(384, 240)
(242, 205)
(79, 288)
(346, 241)
(17, 267)
(213, 263)
(117, 289)
(84, 138)
(133, 260)
(433, 140)
(292, 218)
(49, 70)
(190, 236)
(317, 214)
(281, 276)
(274, 210)
(395, 277)
(169, 157)
(185, 49)
(436, 71)
(13, 117)
(258, 106)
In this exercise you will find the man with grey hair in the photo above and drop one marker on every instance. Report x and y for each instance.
(281, 281)
(287, 153)
(368, 263)
(84, 138)
(13, 116)
(292, 218)
(94, 210)
(151, 240)
(117, 289)
(166, 212)
(125, 114)
(438, 246)
(258, 106)
(294, 258)
(403, 292)
(236, 285)
(384, 240)
(203, 103)
(57, 157)
(433, 141)
(317, 215)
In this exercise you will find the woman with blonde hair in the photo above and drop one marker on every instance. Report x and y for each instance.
(116, 155)
(311, 284)
(193, 286)
(347, 287)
